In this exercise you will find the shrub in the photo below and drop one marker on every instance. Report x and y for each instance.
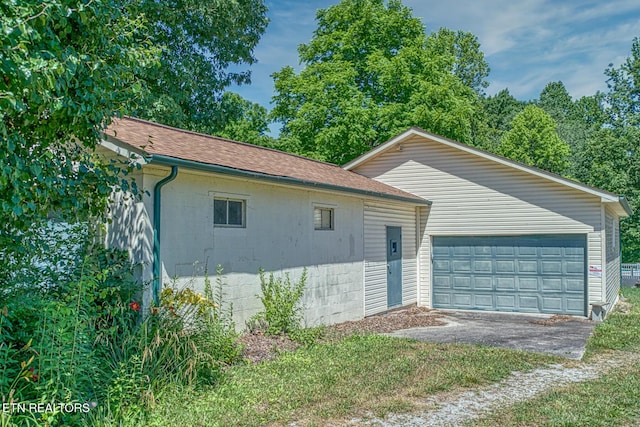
(50, 350)
(189, 338)
(281, 301)
(72, 331)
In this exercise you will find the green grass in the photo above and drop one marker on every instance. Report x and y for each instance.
(356, 376)
(331, 383)
(621, 331)
(611, 400)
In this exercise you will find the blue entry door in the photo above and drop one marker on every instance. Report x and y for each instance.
(394, 266)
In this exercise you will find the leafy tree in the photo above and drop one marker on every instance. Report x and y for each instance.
(68, 67)
(468, 60)
(577, 121)
(243, 121)
(369, 74)
(556, 101)
(201, 41)
(499, 110)
(623, 97)
(622, 106)
(533, 140)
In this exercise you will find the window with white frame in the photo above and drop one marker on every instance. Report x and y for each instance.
(323, 218)
(228, 212)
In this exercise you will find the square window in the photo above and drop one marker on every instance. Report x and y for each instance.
(323, 218)
(228, 213)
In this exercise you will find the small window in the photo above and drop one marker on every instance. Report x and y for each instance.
(323, 218)
(228, 212)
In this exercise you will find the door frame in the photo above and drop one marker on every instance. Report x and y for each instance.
(394, 265)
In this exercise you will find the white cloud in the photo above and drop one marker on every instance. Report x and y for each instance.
(527, 43)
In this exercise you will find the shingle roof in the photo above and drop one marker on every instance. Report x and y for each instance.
(158, 140)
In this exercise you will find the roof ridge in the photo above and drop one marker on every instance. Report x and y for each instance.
(246, 144)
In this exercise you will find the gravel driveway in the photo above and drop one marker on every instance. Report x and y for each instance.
(564, 336)
(559, 335)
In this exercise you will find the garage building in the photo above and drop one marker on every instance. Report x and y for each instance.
(500, 235)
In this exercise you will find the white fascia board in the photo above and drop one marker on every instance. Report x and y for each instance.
(134, 155)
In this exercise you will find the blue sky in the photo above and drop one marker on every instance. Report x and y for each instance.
(527, 43)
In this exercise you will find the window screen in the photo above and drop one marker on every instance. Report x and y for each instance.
(227, 212)
(323, 218)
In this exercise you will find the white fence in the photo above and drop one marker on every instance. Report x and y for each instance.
(631, 270)
(630, 274)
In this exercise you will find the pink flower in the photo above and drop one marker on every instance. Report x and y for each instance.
(135, 306)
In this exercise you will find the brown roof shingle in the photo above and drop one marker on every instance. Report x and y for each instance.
(156, 139)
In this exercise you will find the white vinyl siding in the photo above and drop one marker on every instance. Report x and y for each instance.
(424, 258)
(376, 218)
(612, 256)
(474, 196)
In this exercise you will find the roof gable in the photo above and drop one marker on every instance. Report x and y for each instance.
(166, 145)
(620, 204)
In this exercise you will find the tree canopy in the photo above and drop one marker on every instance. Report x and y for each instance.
(68, 68)
(533, 140)
(204, 45)
(369, 73)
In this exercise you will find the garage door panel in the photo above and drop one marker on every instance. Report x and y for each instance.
(483, 301)
(463, 251)
(462, 300)
(442, 299)
(550, 251)
(507, 251)
(461, 282)
(575, 267)
(552, 304)
(441, 282)
(461, 266)
(505, 283)
(527, 267)
(527, 251)
(511, 273)
(574, 286)
(483, 283)
(482, 251)
(441, 265)
(528, 304)
(528, 284)
(485, 266)
(551, 267)
(506, 302)
(505, 267)
(575, 304)
(551, 285)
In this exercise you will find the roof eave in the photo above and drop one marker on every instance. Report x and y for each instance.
(625, 205)
(190, 164)
(605, 196)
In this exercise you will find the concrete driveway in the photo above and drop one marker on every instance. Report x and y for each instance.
(535, 333)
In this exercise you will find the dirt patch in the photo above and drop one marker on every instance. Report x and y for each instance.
(557, 318)
(259, 347)
(406, 318)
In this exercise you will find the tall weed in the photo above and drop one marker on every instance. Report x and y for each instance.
(281, 301)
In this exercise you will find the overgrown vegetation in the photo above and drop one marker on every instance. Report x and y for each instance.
(281, 301)
(339, 381)
(82, 345)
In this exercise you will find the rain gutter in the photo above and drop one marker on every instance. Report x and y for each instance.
(157, 194)
(173, 162)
